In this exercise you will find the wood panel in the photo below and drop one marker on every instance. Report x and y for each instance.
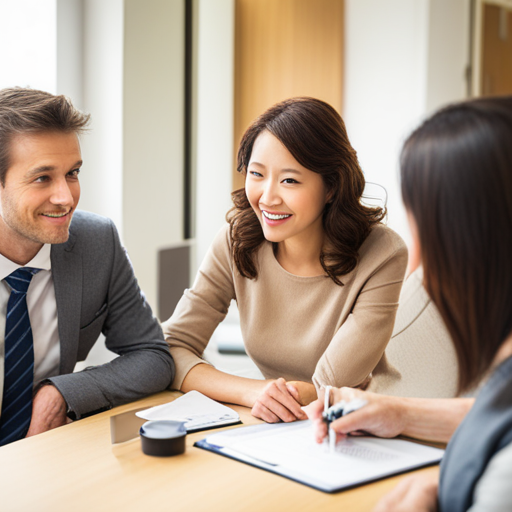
(496, 77)
(285, 48)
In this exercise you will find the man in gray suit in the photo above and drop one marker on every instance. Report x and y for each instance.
(65, 278)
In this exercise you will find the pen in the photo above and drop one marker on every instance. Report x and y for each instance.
(336, 411)
(332, 434)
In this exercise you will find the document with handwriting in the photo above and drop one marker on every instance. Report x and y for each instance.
(197, 410)
(289, 449)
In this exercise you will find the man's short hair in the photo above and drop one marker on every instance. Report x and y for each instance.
(25, 111)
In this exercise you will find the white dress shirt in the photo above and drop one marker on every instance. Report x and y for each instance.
(42, 310)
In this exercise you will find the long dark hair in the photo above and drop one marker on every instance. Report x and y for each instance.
(314, 133)
(456, 171)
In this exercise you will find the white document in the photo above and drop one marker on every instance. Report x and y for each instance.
(198, 411)
(289, 449)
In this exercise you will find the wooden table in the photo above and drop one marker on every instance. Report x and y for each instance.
(75, 468)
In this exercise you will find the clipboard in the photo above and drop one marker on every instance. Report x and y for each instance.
(289, 450)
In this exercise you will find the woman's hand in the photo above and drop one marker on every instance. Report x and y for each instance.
(278, 402)
(303, 392)
(417, 492)
(382, 416)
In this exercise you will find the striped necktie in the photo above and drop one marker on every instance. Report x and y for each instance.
(19, 360)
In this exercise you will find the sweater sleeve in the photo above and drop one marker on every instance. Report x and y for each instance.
(201, 308)
(359, 343)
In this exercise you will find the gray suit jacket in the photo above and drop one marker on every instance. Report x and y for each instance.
(96, 292)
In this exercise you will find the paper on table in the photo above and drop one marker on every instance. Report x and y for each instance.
(290, 450)
(198, 411)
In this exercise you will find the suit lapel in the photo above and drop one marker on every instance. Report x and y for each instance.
(67, 280)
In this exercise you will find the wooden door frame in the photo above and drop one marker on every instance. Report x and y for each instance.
(476, 40)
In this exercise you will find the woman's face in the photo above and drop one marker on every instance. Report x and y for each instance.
(288, 198)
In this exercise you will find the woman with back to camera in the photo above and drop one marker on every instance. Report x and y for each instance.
(457, 188)
(315, 274)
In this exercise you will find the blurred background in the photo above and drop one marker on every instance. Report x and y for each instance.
(172, 84)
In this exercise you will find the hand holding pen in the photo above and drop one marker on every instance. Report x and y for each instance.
(383, 416)
(336, 411)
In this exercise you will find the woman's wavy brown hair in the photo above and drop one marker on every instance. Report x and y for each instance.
(314, 133)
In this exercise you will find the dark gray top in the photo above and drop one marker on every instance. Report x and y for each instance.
(486, 430)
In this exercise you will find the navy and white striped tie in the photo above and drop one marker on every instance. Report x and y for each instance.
(19, 360)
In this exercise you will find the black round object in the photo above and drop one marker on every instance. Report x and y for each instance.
(163, 438)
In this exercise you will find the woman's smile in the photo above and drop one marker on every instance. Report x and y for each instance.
(274, 218)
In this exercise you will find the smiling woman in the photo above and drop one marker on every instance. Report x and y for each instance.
(289, 201)
(307, 137)
(315, 274)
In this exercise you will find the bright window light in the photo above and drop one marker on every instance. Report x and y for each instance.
(28, 44)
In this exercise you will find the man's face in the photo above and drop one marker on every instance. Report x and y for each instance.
(41, 190)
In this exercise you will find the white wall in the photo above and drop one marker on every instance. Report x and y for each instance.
(70, 51)
(448, 55)
(153, 95)
(28, 42)
(128, 73)
(214, 121)
(404, 58)
(385, 83)
(102, 147)
(122, 61)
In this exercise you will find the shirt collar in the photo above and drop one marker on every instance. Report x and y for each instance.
(41, 260)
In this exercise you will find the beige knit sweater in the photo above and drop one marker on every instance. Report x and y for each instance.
(299, 328)
(420, 357)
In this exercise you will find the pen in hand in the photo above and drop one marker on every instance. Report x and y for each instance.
(336, 411)
(327, 420)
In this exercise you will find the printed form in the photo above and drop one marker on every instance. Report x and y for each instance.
(289, 449)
